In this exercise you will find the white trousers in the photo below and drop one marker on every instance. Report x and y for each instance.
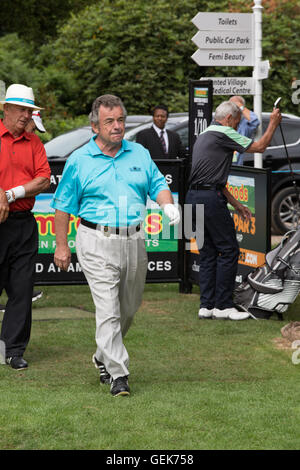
(115, 267)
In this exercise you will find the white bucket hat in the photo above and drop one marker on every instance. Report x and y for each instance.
(36, 116)
(20, 95)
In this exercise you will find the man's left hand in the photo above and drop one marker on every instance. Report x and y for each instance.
(244, 212)
(173, 213)
(4, 206)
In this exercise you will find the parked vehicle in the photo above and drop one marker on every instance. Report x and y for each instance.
(63, 145)
(285, 211)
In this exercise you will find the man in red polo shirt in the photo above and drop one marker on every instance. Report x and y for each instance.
(24, 173)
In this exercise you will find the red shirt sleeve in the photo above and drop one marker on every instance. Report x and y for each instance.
(41, 165)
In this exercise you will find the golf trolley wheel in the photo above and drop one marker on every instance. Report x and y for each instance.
(285, 211)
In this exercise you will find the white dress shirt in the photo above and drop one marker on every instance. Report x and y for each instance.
(158, 130)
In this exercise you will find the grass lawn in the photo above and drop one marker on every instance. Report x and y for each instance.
(196, 384)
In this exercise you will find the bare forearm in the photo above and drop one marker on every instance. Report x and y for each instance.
(164, 197)
(61, 228)
(261, 145)
(62, 255)
(231, 200)
(36, 186)
(244, 211)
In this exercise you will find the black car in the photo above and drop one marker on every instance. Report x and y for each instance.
(285, 200)
(285, 206)
(63, 145)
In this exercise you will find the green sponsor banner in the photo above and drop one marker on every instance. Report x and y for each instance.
(159, 236)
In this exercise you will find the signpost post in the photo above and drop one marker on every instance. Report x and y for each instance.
(257, 12)
(234, 39)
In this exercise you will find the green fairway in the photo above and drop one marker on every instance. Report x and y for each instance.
(196, 384)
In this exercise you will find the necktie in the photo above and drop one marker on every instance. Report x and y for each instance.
(163, 142)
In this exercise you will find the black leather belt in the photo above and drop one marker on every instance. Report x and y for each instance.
(205, 186)
(107, 230)
(19, 214)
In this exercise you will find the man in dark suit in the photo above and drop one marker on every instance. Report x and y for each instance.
(161, 142)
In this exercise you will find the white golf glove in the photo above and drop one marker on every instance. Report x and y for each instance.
(173, 213)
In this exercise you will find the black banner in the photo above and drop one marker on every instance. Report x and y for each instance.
(200, 108)
(165, 249)
(251, 187)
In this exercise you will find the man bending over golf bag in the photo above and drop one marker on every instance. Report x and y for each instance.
(211, 161)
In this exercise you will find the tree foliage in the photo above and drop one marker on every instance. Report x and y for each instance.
(140, 51)
(36, 21)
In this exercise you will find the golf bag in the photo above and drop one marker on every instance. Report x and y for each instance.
(274, 286)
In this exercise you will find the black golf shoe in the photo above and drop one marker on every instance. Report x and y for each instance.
(120, 387)
(16, 362)
(105, 377)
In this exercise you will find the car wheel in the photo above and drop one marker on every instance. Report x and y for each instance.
(285, 210)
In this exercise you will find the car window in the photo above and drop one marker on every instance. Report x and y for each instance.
(291, 133)
(184, 135)
(171, 124)
(132, 133)
(63, 145)
(290, 130)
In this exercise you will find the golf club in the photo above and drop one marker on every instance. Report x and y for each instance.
(289, 163)
(2, 352)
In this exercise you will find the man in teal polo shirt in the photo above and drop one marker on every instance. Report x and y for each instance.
(106, 183)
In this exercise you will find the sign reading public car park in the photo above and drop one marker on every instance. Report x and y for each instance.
(224, 39)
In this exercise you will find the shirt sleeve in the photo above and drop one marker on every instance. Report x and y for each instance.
(41, 165)
(235, 141)
(157, 181)
(252, 124)
(68, 194)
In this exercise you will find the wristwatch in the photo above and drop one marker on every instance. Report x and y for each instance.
(9, 196)
(242, 108)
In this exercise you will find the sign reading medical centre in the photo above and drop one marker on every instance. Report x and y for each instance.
(232, 85)
(224, 39)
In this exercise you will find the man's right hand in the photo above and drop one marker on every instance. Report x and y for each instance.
(275, 117)
(62, 257)
(4, 206)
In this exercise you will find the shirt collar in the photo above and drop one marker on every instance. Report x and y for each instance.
(4, 130)
(95, 150)
(158, 130)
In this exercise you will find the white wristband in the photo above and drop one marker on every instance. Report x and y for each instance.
(19, 192)
(15, 193)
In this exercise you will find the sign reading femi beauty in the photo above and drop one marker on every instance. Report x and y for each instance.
(224, 39)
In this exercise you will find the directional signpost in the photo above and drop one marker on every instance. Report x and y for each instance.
(233, 39)
(224, 39)
(232, 85)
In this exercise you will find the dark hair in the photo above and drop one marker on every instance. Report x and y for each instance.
(161, 106)
(108, 101)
